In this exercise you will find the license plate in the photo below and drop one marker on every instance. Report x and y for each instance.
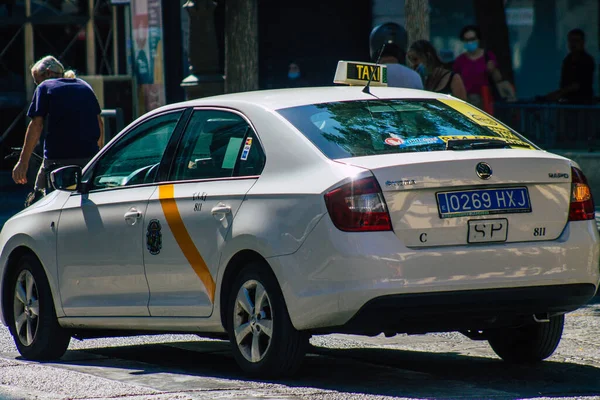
(483, 202)
(488, 230)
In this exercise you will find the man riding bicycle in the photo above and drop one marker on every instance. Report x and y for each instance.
(70, 110)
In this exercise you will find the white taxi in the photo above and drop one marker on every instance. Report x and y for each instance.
(266, 217)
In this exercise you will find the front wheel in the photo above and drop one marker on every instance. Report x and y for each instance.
(264, 341)
(528, 344)
(32, 317)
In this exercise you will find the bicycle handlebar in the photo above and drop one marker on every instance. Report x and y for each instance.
(16, 152)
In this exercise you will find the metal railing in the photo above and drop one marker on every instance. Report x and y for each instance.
(114, 122)
(554, 126)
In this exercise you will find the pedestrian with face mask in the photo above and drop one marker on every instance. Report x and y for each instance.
(479, 69)
(436, 78)
(294, 77)
(69, 109)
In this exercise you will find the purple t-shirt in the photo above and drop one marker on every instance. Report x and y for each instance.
(473, 72)
(71, 110)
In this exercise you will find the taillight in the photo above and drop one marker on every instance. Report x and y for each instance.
(582, 202)
(358, 206)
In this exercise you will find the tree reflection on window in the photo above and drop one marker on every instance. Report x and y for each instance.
(360, 128)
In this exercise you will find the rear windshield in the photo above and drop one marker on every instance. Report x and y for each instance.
(373, 127)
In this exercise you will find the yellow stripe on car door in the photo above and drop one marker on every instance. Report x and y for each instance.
(166, 195)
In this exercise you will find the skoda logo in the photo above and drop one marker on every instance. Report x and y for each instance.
(484, 171)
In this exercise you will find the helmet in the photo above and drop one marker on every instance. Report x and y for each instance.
(390, 32)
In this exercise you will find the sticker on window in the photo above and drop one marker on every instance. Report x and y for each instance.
(471, 112)
(417, 141)
(392, 141)
(513, 142)
(246, 151)
(484, 120)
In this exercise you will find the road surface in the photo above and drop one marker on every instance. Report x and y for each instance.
(440, 366)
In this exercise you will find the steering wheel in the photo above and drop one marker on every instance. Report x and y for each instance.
(151, 173)
(135, 178)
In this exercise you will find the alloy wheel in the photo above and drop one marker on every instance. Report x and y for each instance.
(26, 308)
(253, 321)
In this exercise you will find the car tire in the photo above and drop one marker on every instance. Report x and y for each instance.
(31, 315)
(249, 326)
(528, 344)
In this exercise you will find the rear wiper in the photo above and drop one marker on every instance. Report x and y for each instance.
(476, 144)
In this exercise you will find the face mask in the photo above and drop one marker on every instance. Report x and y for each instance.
(293, 75)
(421, 70)
(471, 46)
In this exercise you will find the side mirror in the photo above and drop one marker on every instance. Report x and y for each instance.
(66, 178)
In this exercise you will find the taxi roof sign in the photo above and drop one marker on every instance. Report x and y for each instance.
(358, 73)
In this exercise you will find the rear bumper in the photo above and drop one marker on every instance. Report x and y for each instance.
(335, 276)
(461, 310)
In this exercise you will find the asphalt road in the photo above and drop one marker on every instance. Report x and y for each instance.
(436, 366)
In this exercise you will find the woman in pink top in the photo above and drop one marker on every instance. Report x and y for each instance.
(476, 66)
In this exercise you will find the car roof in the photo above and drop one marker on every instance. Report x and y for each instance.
(284, 98)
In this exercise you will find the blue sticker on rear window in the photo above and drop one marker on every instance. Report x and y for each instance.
(417, 141)
(245, 152)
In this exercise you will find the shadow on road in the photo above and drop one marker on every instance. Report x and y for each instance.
(373, 371)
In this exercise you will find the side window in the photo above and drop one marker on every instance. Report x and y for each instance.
(211, 145)
(135, 158)
(252, 160)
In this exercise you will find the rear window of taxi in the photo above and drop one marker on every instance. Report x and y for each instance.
(365, 128)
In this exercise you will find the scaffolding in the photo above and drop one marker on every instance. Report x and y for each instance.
(82, 34)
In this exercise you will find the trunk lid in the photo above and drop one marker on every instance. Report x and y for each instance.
(439, 199)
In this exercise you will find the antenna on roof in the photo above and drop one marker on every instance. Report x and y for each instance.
(366, 89)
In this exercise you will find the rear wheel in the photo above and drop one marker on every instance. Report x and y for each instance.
(32, 317)
(264, 341)
(530, 343)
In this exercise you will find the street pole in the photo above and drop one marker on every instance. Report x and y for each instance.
(29, 50)
(128, 41)
(90, 43)
(205, 78)
(115, 39)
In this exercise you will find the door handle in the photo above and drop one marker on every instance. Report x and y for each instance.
(132, 214)
(221, 209)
